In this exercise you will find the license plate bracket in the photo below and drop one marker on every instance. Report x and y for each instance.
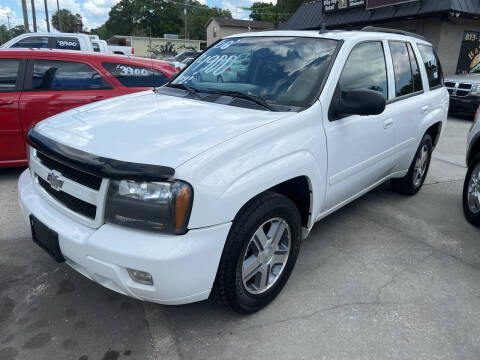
(46, 238)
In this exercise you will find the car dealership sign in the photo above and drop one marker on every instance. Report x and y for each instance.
(334, 5)
(373, 4)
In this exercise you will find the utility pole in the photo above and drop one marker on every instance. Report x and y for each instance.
(34, 16)
(185, 13)
(46, 15)
(8, 20)
(58, 16)
(25, 15)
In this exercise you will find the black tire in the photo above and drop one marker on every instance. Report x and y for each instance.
(407, 185)
(229, 288)
(472, 217)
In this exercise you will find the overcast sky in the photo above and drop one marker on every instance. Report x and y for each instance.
(94, 12)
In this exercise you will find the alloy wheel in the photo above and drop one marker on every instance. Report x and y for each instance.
(420, 165)
(473, 195)
(266, 256)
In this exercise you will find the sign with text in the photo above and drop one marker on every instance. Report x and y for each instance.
(373, 4)
(469, 57)
(335, 5)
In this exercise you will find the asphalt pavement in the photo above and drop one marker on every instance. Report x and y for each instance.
(386, 277)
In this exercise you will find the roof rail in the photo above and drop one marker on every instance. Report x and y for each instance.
(392, 31)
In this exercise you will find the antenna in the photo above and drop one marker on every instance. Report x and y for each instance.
(151, 55)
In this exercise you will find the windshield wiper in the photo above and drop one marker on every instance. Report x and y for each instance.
(254, 98)
(192, 91)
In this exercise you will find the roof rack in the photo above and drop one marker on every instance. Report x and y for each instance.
(392, 31)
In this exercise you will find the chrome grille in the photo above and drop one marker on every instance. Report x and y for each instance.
(73, 192)
(458, 89)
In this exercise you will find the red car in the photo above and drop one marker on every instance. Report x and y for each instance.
(36, 84)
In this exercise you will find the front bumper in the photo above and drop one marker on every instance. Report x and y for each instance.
(183, 267)
(466, 104)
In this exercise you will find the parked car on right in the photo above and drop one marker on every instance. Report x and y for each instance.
(471, 187)
(464, 91)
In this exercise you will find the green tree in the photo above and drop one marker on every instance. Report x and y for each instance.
(4, 34)
(17, 30)
(65, 21)
(261, 11)
(158, 17)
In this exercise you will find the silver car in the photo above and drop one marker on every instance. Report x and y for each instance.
(471, 188)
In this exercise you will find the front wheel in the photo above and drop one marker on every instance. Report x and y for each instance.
(471, 193)
(411, 183)
(259, 254)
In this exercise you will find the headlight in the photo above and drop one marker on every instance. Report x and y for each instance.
(476, 88)
(153, 206)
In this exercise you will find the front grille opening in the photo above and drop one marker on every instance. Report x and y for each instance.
(450, 84)
(465, 86)
(91, 181)
(79, 206)
(462, 93)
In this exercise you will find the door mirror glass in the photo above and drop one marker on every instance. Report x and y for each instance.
(357, 102)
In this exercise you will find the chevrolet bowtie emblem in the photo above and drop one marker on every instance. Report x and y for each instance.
(54, 179)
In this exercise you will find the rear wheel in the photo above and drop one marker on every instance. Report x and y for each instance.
(411, 183)
(471, 193)
(260, 253)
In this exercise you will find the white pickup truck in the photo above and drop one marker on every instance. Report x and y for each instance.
(204, 187)
(47, 40)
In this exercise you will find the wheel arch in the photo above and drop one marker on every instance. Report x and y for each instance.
(298, 190)
(474, 149)
(434, 131)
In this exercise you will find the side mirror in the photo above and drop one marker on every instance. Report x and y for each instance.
(357, 102)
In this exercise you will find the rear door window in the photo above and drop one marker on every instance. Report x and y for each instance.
(32, 42)
(136, 76)
(65, 75)
(407, 75)
(67, 43)
(432, 66)
(8, 74)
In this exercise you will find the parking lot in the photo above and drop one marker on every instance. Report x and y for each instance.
(386, 277)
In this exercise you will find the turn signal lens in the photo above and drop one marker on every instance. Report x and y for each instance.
(182, 205)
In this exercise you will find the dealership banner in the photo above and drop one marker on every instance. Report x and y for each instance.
(373, 4)
(335, 5)
(469, 57)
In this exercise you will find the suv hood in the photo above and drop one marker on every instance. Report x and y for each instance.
(152, 128)
(468, 78)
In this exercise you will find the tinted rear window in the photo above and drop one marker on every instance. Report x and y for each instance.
(32, 42)
(8, 73)
(136, 76)
(432, 65)
(67, 43)
(65, 75)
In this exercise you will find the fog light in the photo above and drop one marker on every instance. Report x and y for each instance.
(141, 277)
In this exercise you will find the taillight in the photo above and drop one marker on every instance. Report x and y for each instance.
(133, 50)
(178, 69)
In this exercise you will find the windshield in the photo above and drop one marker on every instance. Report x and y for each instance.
(279, 70)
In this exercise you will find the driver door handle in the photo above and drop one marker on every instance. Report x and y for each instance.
(388, 123)
(5, 102)
(425, 109)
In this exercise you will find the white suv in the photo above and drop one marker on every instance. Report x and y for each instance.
(471, 187)
(207, 187)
